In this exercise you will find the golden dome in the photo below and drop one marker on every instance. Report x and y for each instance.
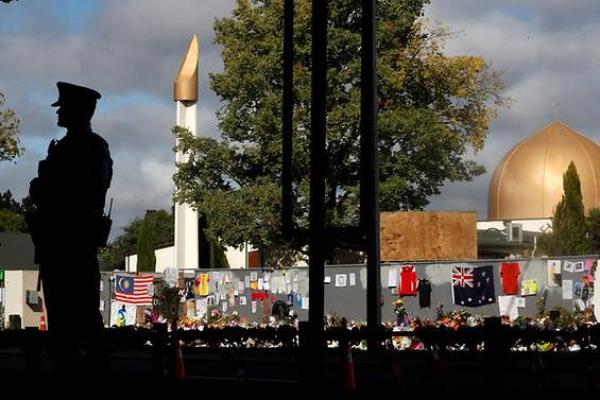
(527, 183)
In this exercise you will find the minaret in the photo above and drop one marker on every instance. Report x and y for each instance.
(185, 94)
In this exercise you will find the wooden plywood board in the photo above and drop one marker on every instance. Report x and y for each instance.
(428, 235)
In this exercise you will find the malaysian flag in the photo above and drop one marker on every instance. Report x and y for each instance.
(473, 286)
(134, 289)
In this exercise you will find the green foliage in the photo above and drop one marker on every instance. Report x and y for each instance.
(569, 226)
(564, 319)
(433, 109)
(215, 318)
(593, 229)
(9, 133)
(7, 202)
(333, 320)
(146, 259)
(12, 213)
(540, 305)
(161, 224)
(12, 222)
(211, 252)
(168, 299)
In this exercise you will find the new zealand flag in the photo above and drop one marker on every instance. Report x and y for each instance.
(473, 286)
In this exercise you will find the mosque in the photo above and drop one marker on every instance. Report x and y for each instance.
(527, 185)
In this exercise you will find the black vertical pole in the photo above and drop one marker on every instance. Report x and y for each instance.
(317, 175)
(159, 334)
(288, 116)
(369, 168)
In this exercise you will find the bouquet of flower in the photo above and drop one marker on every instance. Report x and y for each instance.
(400, 312)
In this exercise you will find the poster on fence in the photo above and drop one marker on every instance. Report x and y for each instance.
(529, 287)
(508, 306)
(201, 306)
(567, 289)
(201, 284)
(122, 314)
(554, 271)
(341, 280)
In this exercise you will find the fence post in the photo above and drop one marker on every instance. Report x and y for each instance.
(495, 340)
(33, 351)
(496, 347)
(304, 352)
(159, 342)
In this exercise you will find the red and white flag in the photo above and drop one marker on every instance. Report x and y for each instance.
(136, 290)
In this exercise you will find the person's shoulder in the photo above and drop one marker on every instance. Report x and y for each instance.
(99, 143)
(60, 148)
(97, 139)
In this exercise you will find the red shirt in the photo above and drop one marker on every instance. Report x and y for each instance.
(509, 271)
(408, 281)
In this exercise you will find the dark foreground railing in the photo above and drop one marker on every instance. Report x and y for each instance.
(490, 344)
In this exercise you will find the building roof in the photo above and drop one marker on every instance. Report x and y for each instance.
(492, 243)
(528, 181)
(16, 251)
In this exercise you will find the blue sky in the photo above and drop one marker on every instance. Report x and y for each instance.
(73, 15)
(130, 50)
(70, 16)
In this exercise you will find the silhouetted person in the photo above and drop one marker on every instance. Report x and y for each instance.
(69, 225)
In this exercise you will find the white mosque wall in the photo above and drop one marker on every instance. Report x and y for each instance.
(237, 258)
(530, 225)
(165, 258)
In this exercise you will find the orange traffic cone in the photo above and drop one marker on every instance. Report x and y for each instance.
(179, 365)
(43, 327)
(349, 370)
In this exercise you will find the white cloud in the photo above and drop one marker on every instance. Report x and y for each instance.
(542, 15)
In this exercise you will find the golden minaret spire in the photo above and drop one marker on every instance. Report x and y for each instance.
(185, 85)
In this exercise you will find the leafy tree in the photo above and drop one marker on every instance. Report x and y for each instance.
(9, 133)
(161, 223)
(8, 202)
(211, 252)
(593, 229)
(10, 221)
(168, 301)
(12, 213)
(569, 226)
(433, 110)
(146, 259)
(9, 129)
